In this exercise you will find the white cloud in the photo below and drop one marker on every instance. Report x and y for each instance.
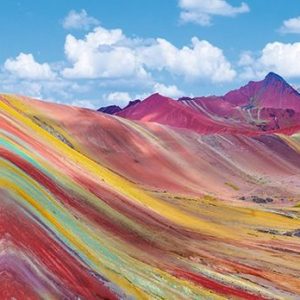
(107, 62)
(24, 66)
(84, 103)
(79, 20)
(202, 11)
(101, 54)
(122, 98)
(278, 57)
(27, 88)
(55, 90)
(201, 60)
(168, 90)
(110, 54)
(119, 98)
(291, 26)
(246, 58)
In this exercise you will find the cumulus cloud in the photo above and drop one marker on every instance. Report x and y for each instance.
(101, 54)
(246, 58)
(168, 90)
(106, 66)
(291, 26)
(120, 98)
(79, 20)
(200, 60)
(202, 11)
(278, 57)
(57, 90)
(24, 66)
(27, 88)
(107, 53)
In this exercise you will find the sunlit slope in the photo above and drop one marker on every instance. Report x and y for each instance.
(96, 206)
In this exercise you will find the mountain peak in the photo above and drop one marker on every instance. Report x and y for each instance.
(156, 98)
(132, 103)
(275, 81)
(156, 95)
(273, 77)
(110, 109)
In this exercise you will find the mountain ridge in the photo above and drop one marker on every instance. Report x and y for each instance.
(267, 105)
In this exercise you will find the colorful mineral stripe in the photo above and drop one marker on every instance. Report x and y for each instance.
(94, 206)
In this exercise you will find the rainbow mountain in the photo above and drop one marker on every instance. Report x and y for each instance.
(190, 199)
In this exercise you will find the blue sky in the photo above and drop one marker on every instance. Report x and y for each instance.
(94, 53)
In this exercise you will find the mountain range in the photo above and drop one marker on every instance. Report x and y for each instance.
(270, 105)
(194, 198)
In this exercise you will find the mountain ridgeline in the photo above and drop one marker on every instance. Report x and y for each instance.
(270, 105)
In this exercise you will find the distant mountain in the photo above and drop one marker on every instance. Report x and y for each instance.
(272, 92)
(167, 111)
(132, 103)
(270, 104)
(267, 105)
(111, 109)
